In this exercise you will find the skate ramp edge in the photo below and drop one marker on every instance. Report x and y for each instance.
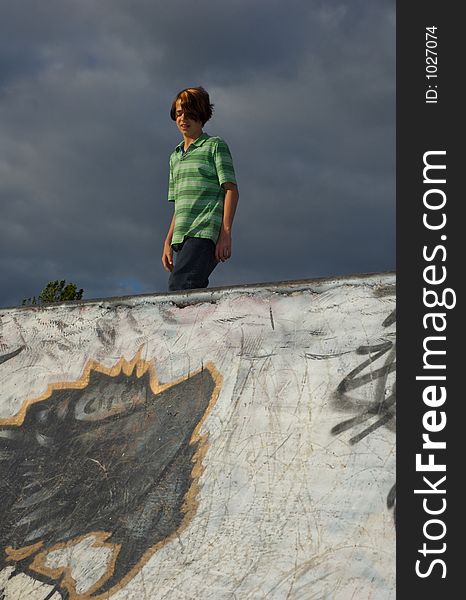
(225, 443)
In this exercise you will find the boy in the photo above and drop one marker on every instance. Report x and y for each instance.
(202, 185)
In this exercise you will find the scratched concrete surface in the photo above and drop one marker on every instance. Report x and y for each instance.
(235, 443)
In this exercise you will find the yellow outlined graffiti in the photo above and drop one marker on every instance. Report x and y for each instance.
(139, 367)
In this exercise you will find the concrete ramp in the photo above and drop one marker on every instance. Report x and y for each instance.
(236, 443)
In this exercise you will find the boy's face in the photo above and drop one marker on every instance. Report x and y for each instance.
(187, 126)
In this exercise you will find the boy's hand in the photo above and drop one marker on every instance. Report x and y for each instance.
(167, 257)
(223, 246)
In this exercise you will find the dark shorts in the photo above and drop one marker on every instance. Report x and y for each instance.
(194, 262)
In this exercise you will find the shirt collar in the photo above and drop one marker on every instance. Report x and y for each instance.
(198, 142)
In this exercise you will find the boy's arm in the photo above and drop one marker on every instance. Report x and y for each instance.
(167, 254)
(223, 246)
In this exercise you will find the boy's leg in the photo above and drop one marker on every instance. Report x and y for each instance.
(194, 262)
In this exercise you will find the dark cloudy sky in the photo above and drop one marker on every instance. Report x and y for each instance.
(304, 94)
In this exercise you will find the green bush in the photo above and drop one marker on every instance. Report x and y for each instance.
(55, 291)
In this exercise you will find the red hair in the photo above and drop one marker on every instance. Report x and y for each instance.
(196, 104)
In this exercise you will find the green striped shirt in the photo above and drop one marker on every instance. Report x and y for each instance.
(195, 186)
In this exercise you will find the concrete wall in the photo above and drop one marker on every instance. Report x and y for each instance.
(235, 443)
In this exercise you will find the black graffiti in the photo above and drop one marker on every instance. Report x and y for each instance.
(112, 457)
(382, 406)
(391, 501)
(380, 410)
(10, 355)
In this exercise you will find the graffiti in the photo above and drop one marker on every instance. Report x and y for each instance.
(380, 409)
(110, 461)
(383, 403)
(391, 501)
(10, 355)
(110, 487)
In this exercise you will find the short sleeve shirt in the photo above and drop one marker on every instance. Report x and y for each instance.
(195, 186)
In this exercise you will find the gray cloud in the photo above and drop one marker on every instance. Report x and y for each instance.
(304, 94)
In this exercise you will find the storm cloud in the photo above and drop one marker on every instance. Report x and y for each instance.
(304, 94)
